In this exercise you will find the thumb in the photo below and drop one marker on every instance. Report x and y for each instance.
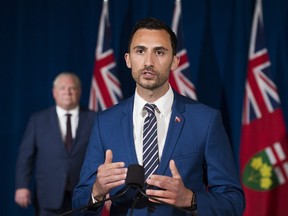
(108, 156)
(174, 170)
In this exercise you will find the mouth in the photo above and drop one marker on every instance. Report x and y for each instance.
(148, 74)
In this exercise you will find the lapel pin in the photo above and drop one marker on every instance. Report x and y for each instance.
(177, 119)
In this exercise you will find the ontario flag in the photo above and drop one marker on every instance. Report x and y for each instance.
(180, 78)
(264, 146)
(105, 87)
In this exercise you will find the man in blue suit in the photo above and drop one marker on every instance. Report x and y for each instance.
(196, 173)
(43, 151)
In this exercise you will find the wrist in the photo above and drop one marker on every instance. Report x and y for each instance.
(98, 198)
(96, 194)
(193, 203)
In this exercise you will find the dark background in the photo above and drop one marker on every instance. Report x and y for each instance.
(40, 38)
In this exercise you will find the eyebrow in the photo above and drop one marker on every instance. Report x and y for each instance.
(155, 48)
(160, 48)
(139, 47)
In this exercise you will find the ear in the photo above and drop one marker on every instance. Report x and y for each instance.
(53, 92)
(127, 59)
(175, 62)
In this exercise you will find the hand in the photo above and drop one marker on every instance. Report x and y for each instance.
(109, 175)
(23, 197)
(173, 189)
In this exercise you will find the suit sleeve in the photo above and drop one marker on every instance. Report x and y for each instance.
(224, 195)
(94, 157)
(26, 154)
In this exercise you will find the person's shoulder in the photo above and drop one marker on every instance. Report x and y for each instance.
(84, 109)
(192, 104)
(124, 106)
(43, 115)
(87, 113)
(46, 111)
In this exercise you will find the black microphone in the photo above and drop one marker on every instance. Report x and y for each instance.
(134, 178)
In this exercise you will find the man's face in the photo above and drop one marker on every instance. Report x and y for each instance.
(66, 92)
(151, 59)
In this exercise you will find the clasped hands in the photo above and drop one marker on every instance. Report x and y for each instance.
(113, 174)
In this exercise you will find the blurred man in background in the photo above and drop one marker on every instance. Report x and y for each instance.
(53, 147)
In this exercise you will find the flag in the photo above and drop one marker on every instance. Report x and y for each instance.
(264, 144)
(180, 78)
(105, 87)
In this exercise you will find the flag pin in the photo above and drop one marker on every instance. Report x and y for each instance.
(177, 119)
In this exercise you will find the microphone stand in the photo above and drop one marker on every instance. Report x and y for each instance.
(97, 204)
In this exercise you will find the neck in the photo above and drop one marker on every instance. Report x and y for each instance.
(151, 95)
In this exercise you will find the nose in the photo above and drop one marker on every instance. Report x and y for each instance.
(67, 90)
(149, 59)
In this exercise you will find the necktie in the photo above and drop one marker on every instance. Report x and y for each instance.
(68, 138)
(150, 142)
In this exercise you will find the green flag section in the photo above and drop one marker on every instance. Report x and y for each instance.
(261, 174)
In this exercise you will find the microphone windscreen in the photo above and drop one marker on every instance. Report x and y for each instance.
(135, 175)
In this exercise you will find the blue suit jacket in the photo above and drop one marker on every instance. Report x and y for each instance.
(42, 150)
(198, 143)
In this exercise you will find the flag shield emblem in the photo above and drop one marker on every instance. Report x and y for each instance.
(259, 173)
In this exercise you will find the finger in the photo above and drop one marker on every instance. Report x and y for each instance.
(174, 170)
(163, 182)
(164, 196)
(108, 156)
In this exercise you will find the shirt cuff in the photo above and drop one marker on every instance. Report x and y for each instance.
(93, 199)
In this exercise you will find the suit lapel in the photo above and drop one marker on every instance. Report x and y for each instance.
(127, 132)
(55, 127)
(174, 131)
(80, 127)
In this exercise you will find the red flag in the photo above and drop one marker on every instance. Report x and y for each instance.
(180, 79)
(105, 87)
(264, 144)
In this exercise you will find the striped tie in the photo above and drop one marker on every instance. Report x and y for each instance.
(150, 142)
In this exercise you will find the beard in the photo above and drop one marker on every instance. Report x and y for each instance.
(157, 81)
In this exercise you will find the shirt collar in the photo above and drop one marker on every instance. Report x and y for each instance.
(164, 104)
(62, 112)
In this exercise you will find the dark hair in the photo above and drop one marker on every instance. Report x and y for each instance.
(154, 24)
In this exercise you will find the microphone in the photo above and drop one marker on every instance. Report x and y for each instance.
(134, 179)
(135, 176)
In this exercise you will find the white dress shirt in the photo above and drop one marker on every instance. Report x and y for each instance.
(163, 114)
(63, 119)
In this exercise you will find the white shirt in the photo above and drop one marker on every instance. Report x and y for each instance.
(163, 114)
(63, 119)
